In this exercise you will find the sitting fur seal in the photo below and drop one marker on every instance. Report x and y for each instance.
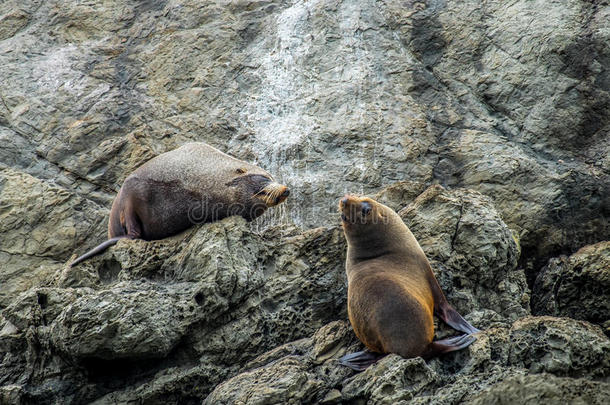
(193, 184)
(392, 292)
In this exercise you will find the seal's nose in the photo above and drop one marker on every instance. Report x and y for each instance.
(286, 193)
(344, 200)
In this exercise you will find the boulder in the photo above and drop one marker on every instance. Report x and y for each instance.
(577, 286)
(219, 295)
(472, 251)
(543, 388)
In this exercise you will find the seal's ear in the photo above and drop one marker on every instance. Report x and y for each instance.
(240, 170)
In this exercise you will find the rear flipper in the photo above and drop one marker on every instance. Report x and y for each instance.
(452, 318)
(129, 222)
(448, 345)
(359, 361)
(97, 250)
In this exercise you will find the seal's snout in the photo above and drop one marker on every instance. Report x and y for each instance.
(344, 201)
(346, 207)
(274, 194)
(366, 207)
(356, 209)
(282, 197)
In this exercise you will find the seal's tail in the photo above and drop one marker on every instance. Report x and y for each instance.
(97, 250)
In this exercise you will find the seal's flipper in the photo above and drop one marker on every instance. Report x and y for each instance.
(97, 250)
(130, 222)
(443, 310)
(359, 361)
(448, 345)
(452, 318)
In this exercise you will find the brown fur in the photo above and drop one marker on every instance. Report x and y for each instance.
(193, 184)
(392, 292)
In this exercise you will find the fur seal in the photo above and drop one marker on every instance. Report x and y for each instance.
(192, 184)
(392, 292)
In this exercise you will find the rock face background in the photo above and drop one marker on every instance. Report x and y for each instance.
(485, 124)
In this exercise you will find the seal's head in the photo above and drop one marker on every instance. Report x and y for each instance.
(257, 190)
(368, 226)
(360, 212)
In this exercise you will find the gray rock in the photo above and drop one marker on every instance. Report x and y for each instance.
(131, 320)
(392, 380)
(473, 253)
(299, 372)
(40, 225)
(287, 382)
(543, 389)
(496, 361)
(17, 275)
(510, 100)
(219, 295)
(11, 394)
(39, 306)
(488, 57)
(577, 286)
(562, 346)
(451, 92)
(399, 194)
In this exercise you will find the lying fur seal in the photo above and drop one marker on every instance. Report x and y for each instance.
(193, 184)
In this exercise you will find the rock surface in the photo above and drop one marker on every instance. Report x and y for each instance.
(577, 286)
(496, 362)
(206, 301)
(544, 388)
(473, 250)
(329, 95)
(504, 105)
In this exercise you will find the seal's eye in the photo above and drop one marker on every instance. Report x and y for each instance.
(366, 208)
(240, 170)
(259, 178)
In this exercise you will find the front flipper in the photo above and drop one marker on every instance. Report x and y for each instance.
(359, 361)
(452, 318)
(448, 345)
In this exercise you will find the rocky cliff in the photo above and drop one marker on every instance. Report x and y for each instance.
(485, 124)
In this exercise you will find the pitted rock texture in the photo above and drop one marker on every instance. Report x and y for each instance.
(470, 248)
(139, 305)
(568, 355)
(503, 108)
(544, 388)
(301, 371)
(189, 311)
(577, 286)
(141, 309)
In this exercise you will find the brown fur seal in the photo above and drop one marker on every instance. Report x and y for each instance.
(392, 292)
(193, 184)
